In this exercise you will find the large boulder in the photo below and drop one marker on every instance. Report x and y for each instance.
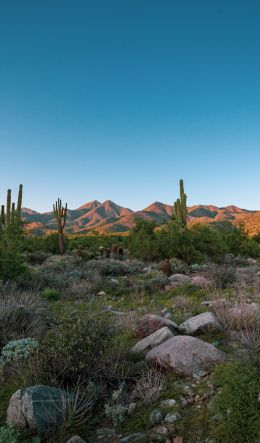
(200, 323)
(185, 355)
(150, 323)
(153, 340)
(40, 408)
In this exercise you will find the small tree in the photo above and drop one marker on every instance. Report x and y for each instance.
(60, 213)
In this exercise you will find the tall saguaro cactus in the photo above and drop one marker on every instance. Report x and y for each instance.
(180, 207)
(19, 202)
(9, 214)
(60, 213)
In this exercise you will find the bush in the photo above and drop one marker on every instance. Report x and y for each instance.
(8, 434)
(223, 276)
(37, 257)
(17, 350)
(74, 348)
(237, 403)
(50, 294)
(21, 315)
(11, 260)
(193, 245)
(143, 242)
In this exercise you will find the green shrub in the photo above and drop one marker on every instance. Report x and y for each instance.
(237, 403)
(74, 347)
(50, 294)
(11, 260)
(8, 434)
(37, 257)
(223, 276)
(17, 350)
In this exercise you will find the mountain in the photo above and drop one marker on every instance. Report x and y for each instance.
(108, 217)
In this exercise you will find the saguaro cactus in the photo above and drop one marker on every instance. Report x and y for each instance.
(60, 213)
(180, 207)
(19, 202)
(11, 215)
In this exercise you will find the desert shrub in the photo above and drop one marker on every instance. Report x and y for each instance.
(182, 308)
(209, 242)
(149, 386)
(115, 409)
(237, 241)
(11, 260)
(192, 245)
(178, 243)
(17, 350)
(47, 243)
(237, 403)
(223, 276)
(74, 347)
(111, 267)
(149, 284)
(142, 242)
(178, 266)
(9, 434)
(50, 294)
(92, 242)
(37, 257)
(22, 315)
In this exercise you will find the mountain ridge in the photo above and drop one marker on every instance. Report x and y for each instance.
(109, 217)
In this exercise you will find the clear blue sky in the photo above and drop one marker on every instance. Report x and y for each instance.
(118, 99)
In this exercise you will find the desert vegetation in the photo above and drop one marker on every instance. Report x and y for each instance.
(153, 336)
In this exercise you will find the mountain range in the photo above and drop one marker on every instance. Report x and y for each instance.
(108, 217)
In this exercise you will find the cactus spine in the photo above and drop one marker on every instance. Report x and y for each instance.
(180, 207)
(60, 213)
(11, 215)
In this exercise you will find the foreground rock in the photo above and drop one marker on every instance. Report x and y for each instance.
(181, 279)
(200, 323)
(153, 340)
(40, 408)
(150, 323)
(186, 355)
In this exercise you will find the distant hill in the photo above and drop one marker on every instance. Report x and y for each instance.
(108, 217)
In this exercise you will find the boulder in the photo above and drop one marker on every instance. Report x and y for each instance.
(153, 340)
(76, 439)
(156, 417)
(170, 419)
(185, 355)
(150, 323)
(181, 279)
(40, 408)
(200, 323)
(251, 261)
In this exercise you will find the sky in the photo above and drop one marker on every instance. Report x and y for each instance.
(118, 99)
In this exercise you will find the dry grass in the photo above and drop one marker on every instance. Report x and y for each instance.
(240, 321)
(150, 386)
(22, 314)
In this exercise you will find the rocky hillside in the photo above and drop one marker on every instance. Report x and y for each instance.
(108, 217)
